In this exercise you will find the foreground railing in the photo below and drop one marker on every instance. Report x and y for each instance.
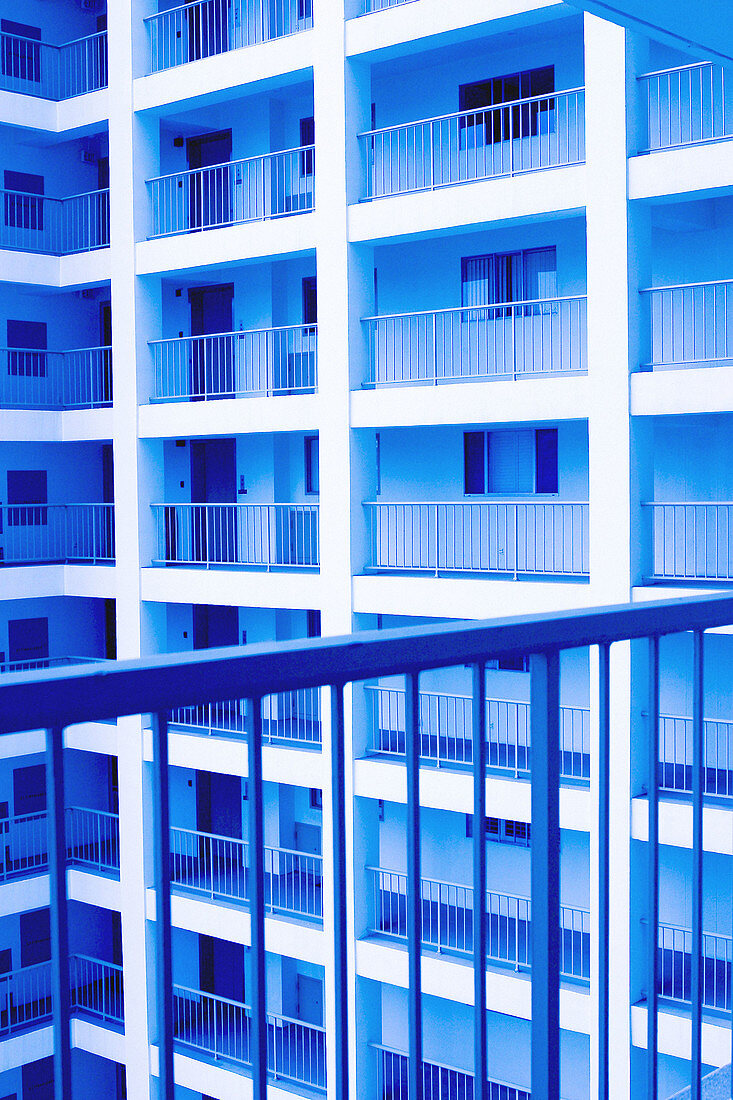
(685, 106)
(523, 135)
(57, 227)
(189, 32)
(259, 362)
(691, 540)
(288, 716)
(512, 537)
(516, 339)
(76, 379)
(254, 189)
(237, 534)
(221, 1028)
(675, 966)
(55, 699)
(691, 325)
(32, 534)
(446, 731)
(439, 1081)
(675, 755)
(53, 72)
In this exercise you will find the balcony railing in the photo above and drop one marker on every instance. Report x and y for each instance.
(686, 106)
(675, 755)
(53, 72)
(32, 534)
(269, 186)
(32, 379)
(382, 5)
(290, 716)
(205, 28)
(447, 922)
(255, 363)
(34, 664)
(511, 340)
(23, 846)
(691, 325)
(218, 866)
(446, 731)
(220, 1028)
(255, 535)
(675, 966)
(523, 135)
(692, 540)
(439, 1081)
(56, 227)
(93, 838)
(25, 998)
(95, 988)
(506, 537)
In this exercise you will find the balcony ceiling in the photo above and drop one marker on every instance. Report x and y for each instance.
(704, 29)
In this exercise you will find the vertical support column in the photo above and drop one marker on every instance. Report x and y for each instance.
(545, 874)
(604, 752)
(59, 911)
(340, 927)
(163, 938)
(652, 962)
(698, 772)
(414, 893)
(480, 1056)
(258, 995)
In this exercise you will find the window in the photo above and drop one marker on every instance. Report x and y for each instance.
(22, 209)
(313, 628)
(307, 137)
(305, 11)
(509, 664)
(21, 56)
(312, 481)
(505, 831)
(26, 487)
(316, 798)
(310, 300)
(504, 277)
(522, 120)
(27, 335)
(510, 461)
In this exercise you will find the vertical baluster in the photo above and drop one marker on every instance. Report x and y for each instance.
(478, 717)
(258, 1031)
(697, 962)
(414, 903)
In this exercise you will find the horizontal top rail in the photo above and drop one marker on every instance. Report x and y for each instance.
(240, 332)
(308, 504)
(92, 810)
(472, 113)
(687, 286)
(676, 69)
(64, 697)
(484, 305)
(54, 45)
(54, 198)
(685, 503)
(478, 498)
(168, 11)
(231, 163)
(97, 962)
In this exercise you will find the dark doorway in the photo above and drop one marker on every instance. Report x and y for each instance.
(28, 641)
(221, 968)
(21, 55)
(35, 937)
(219, 804)
(214, 482)
(29, 790)
(102, 381)
(214, 625)
(208, 28)
(29, 337)
(209, 192)
(212, 362)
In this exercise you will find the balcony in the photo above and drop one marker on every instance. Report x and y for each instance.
(189, 32)
(289, 718)
(43, 534)
(255, 363)
(255, 536)
(446, 732)
(525, 135)
(692, 540)
(691, 325)
(447, 922)
(239, 191)
(52, 226)
(78, 379)
(675, 967)
(39, 69)
(96, 989)
(93, 841)
(689, 105)
(438, 1080)
(514, 538)
(512, 340)
(675, 755)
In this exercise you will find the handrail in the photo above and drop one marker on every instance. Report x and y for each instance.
(239, 332)
(676, 69)
(99, 962)
(92, 810)
(485, 498)
(686, 286)
(244, 840)
(685, 503)
(55, 198)
(231, 163)
(53, 45)
(483, 305)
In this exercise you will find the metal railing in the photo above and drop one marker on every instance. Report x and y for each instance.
(446, 731)
(205, 28)
(514, 537)
(55, 227)
(220, 1027)
(439, 1081)
(93, 838)
(23, 846)
(78, 379)
(447, 922)
(219, 867)
(258, 362)
(255, 189)
(287, 716)
(25, 998)
(523, 135)
(675, 755)
(39, 69)
(511, 340)
(675, 963)
(97, 988)
(382, 5)
(36, 663)
(690, 324)
(686, 106)
(32, 534)
(263, 535)
(691, 540)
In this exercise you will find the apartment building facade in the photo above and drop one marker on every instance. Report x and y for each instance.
(321, 318)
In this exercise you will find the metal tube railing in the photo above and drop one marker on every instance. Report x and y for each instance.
(263, 535)
(97, 988)
(514, 537)
(56, 227)
(288, 716)
(25, 998)
(258, 362)
(32, 534)
(446, 731)
(675, 954)
(37, 663)
(53, 72)
(690, 325)
(23, 846)
(685, 106)
(189, 32)
(382, 5)
(675, 755)
(255, 189)
(509, 340)
(523, 135)
(440, 1081)
(93, 838)
(77, 379)
(691, 540)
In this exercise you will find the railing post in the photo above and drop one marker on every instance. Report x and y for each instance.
(258, 1030)
(604, 752)
(340, 933)
(60, 973)
(698, 765)
(653, 873)
(479, 879)
(414, 896)
(163, 945)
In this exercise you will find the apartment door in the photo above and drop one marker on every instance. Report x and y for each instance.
(217, 626)
(219, 811)
(102, 384)
(209, 192)
(208, 28)
(29, 790)
(310, 1000)
(214, 483)
(37, 1080)
(221, 968)
(35, 937)
(28, 641)
(211, 368)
